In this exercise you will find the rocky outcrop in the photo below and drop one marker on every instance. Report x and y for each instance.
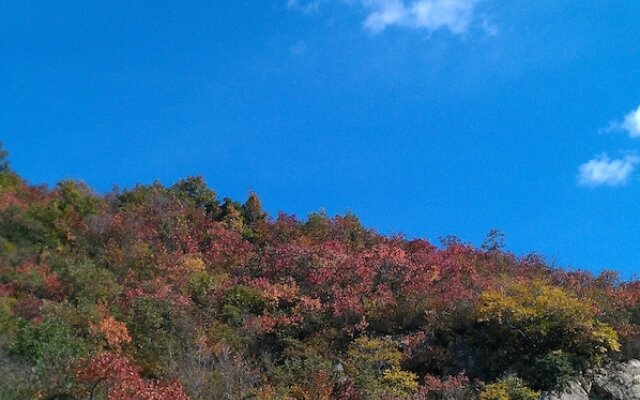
(574, 391)
(617, 381)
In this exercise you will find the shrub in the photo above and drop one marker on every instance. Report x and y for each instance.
(509, 388)
(51, 349)
(239, 301)
(374, 366)
(88, 283)
(536, 325)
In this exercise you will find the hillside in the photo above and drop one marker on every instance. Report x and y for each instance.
(172, 293)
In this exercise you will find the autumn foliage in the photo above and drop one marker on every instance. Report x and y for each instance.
(171, 293)
(118, 379)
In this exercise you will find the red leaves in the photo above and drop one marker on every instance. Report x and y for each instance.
(29, 308)
(122, 381)
(37, 280)
(449, 388)
(7, 289)
(287, 307)
(313, 281)
(225, 248)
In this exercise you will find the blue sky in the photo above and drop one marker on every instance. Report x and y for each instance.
(426, 117)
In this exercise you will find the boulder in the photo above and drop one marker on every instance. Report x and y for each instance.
(617, 381)
(573, 391)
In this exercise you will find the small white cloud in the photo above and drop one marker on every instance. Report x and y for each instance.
(432, 15)
(602, 171)
(384, 13)
(631, 123)
(456, 16)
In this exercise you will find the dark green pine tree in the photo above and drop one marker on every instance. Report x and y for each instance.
(252, 210)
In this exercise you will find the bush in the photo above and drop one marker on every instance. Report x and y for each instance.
(91, 284)
(150, 327)
(509, 388)
(553, 370)
(240, 301)
(374, 366)
(51, 350)
(535, 325)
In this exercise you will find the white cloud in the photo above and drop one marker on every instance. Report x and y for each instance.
(432, 15)
(456, 16)
(602, 171)
(631, 123)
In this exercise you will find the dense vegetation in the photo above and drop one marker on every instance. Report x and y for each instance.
(170, 293)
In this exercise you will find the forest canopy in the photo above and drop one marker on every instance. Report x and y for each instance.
(159, 292)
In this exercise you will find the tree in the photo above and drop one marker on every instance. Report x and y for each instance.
(252, 209)
(4, 159)
(51, 350)
(232, 216)
(239, 302)
(115, 376)
(195, 190)
(509, 388)
(493, 242)
(529, 325)
(8, 179)
(86, 283)
(374, 366)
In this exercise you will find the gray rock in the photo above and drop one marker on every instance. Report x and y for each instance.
(573, 391)
(617, 381)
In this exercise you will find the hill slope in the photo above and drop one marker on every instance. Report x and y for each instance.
(168, 293)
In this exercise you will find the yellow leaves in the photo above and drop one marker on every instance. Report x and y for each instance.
(380, 353)
(606, 336)
(509, 388)
(545, 316)
(522, 302)
(193, 264)
(400, 383)
(374, 364)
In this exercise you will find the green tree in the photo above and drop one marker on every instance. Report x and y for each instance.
(254, 217)
(374, 365)
(509, 388)
(76, 199)
(8, 179)
(252, 209)
(51, 349)
(232, 216)
(150, 326)
(195, 190)
(88, 284)
(240, 301)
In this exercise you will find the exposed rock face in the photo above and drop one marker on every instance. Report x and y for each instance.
(574, 391)
(618, 381)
